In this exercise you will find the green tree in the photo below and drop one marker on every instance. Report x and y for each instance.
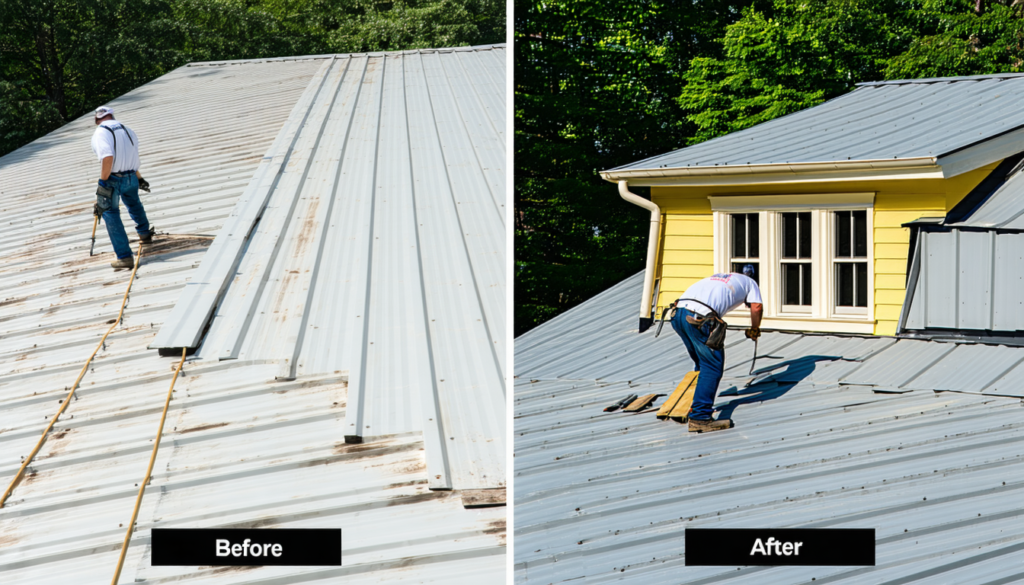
(794, 55)
(22, 118)
(70, 56)
(75, 53)
(963, 37)
(595, 89)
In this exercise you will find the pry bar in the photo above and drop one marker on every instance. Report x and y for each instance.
(662, 322)
(92, 245)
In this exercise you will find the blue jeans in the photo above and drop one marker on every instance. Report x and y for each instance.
(125, 188)
(708, 362)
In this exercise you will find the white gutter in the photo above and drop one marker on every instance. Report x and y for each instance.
(652, 251)
(770, 168)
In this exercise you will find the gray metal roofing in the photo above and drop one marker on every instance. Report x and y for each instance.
(967, 280)
(240, 449)
(832, 431)
(378, 249)
(874, 122)
(1004, 209)
(968, 272)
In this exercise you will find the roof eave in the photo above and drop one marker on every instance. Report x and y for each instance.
(916, 167)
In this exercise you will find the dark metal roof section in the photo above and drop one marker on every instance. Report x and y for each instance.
(1004, 209)
(886, 120)
(919, 440)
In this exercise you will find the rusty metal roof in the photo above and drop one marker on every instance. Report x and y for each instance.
(909, 437)
(378, 212)
(241, 447)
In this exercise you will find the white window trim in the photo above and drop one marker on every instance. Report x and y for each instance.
(824, 315)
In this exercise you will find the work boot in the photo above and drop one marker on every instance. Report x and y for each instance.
(123, 263)
(707, 426)
(148, 238)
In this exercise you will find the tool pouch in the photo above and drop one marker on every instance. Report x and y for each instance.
(716, 339)
(104, 199)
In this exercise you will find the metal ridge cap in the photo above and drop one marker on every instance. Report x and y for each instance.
(940, 79)
(614, 175)
(463, 49)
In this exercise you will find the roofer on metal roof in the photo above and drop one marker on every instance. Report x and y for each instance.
(698, 321)
(117, 147)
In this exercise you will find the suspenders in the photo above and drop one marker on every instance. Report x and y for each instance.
(114, 136)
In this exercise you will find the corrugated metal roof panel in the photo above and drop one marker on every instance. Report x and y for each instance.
(387, 223)
(240, 448)
(874, 122)
(604, 497)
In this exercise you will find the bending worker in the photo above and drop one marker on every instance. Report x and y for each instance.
(697, 312)
(117, 148)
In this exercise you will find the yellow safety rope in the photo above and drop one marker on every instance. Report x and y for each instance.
(149, 472)
(64, 405)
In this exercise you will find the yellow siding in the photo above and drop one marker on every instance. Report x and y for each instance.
(687, 243)
(894, 207)
(687, 253)
(890, 281)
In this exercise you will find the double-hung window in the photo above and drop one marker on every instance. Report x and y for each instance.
(810, 254)
(746, 230)
(850, 261)
(797, 271)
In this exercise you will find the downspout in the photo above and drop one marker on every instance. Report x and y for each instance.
(646, 318)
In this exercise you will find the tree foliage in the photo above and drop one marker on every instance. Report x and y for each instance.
(595, 88)
(790, 57)
(603, 84)
(61, 58)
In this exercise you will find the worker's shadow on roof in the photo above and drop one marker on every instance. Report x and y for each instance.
(780, 379)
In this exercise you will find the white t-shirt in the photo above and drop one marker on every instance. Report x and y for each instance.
(722, 292)
(126, 157)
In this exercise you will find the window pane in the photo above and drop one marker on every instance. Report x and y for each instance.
(804, 230)
(862, 283)
(805, 283)
(842, 234)
(860, 234)
(791, 284)
(844, 285)
(737, 267)
(739, 235)
(789, 235)
(752, 235)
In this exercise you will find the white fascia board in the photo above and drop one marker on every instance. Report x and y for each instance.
(781, 174)
(808, 200)
(981, 154)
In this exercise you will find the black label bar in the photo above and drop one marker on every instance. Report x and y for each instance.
(784, 546)
(247, 547)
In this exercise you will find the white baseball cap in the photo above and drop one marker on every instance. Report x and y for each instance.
(103, 111)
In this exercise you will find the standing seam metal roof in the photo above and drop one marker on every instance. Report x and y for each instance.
(882, 121)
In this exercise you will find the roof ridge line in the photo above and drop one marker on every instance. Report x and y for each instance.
(466, 49)
(927, 80)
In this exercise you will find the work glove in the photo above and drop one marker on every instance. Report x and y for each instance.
(144, 184)
(753, 333)
(103, 198)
